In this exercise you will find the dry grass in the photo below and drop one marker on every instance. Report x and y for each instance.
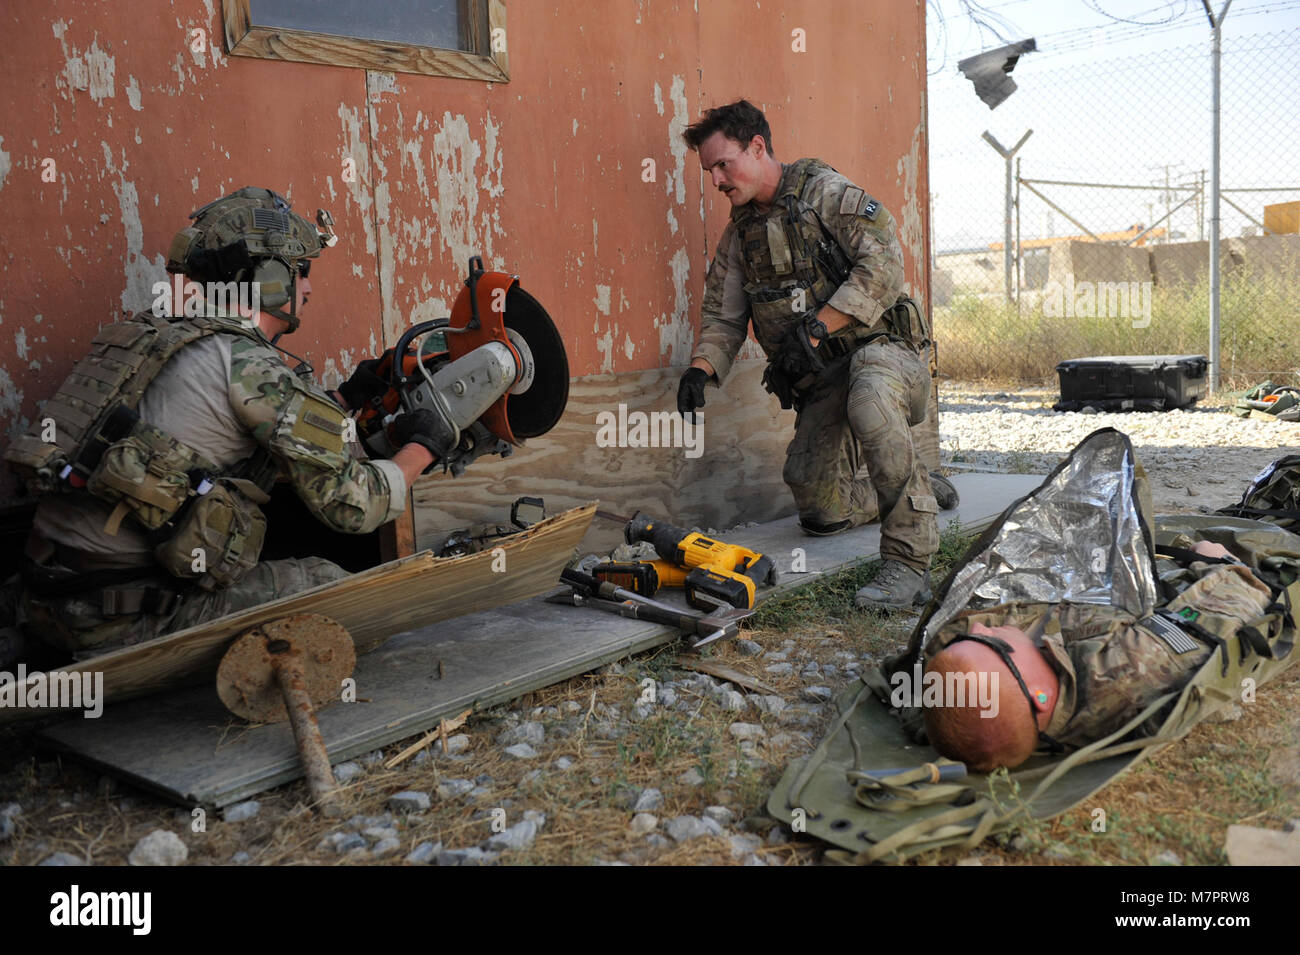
(985, 339)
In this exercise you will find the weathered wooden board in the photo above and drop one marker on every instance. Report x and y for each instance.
(372, 605)
(186, 747)
(734, 476)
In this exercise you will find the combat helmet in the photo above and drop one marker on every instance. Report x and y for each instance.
(252, 236)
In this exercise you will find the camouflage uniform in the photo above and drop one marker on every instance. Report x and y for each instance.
(1112, 667)
(858, 413)
(224, 396)
(1111, 671)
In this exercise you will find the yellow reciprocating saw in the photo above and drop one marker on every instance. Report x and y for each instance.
(712, 571)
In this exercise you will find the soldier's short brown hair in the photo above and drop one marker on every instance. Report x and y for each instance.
(740, 121)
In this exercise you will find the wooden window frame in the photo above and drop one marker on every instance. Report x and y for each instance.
(480, 62)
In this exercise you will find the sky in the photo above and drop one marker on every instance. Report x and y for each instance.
(1111, 101)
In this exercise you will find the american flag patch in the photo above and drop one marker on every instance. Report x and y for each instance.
(1168, 631)
(270, 219)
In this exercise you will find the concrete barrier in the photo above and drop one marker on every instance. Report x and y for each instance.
(1096, 262)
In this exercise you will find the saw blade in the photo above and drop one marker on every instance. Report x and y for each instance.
(536, 412)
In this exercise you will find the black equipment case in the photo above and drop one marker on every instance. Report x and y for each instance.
(1131, 382)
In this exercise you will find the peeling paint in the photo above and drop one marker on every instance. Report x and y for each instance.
(428, 309)
(139, 272)
(494, 157)
(20, 344)
(11, 403)
(133, 93)
(456, 199)
(602, 299)
(676, 183)
(909, 222)
(629, 349)
(676, 334)
(92, 71)
(672, 222)
(605, 345)
(659, 99)
(357, 149)
(379, 82)
(5, 164)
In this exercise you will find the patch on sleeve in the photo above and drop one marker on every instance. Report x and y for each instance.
(868, 208)
(320, 424)
(311, 428)
(852, 199)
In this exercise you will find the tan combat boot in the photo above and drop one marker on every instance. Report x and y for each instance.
(895, 587)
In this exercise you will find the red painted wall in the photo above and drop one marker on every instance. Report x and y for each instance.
(541, 175)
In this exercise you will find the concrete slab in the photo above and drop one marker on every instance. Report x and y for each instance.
(186, 747)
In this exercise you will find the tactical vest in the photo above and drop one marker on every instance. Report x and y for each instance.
(89, 439)
(790, 259)
(793, 264)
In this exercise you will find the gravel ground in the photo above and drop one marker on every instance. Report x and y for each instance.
(1197, 460)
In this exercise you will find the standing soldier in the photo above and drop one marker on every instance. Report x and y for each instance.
(814, 262)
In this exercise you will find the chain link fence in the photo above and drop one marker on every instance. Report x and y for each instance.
(1108, 204)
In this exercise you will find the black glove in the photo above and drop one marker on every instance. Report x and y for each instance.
(690, 393)
(367, 382)
(426, 429)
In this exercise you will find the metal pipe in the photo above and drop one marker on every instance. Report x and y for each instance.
(1161, 219)
(1020, 255)
(306, 730)
(1072, 219)
(1217, 24)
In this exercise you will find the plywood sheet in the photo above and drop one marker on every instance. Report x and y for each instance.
(372, 605)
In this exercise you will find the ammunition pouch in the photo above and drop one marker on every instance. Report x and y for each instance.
(908, 325)
(218, 537)
(146, 475)
(206, 528)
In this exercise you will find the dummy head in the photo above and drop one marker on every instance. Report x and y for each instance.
(1007, 737)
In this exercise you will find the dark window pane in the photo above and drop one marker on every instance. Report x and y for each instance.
(422, 22)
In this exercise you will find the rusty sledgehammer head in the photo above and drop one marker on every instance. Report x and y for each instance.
(284, 669)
